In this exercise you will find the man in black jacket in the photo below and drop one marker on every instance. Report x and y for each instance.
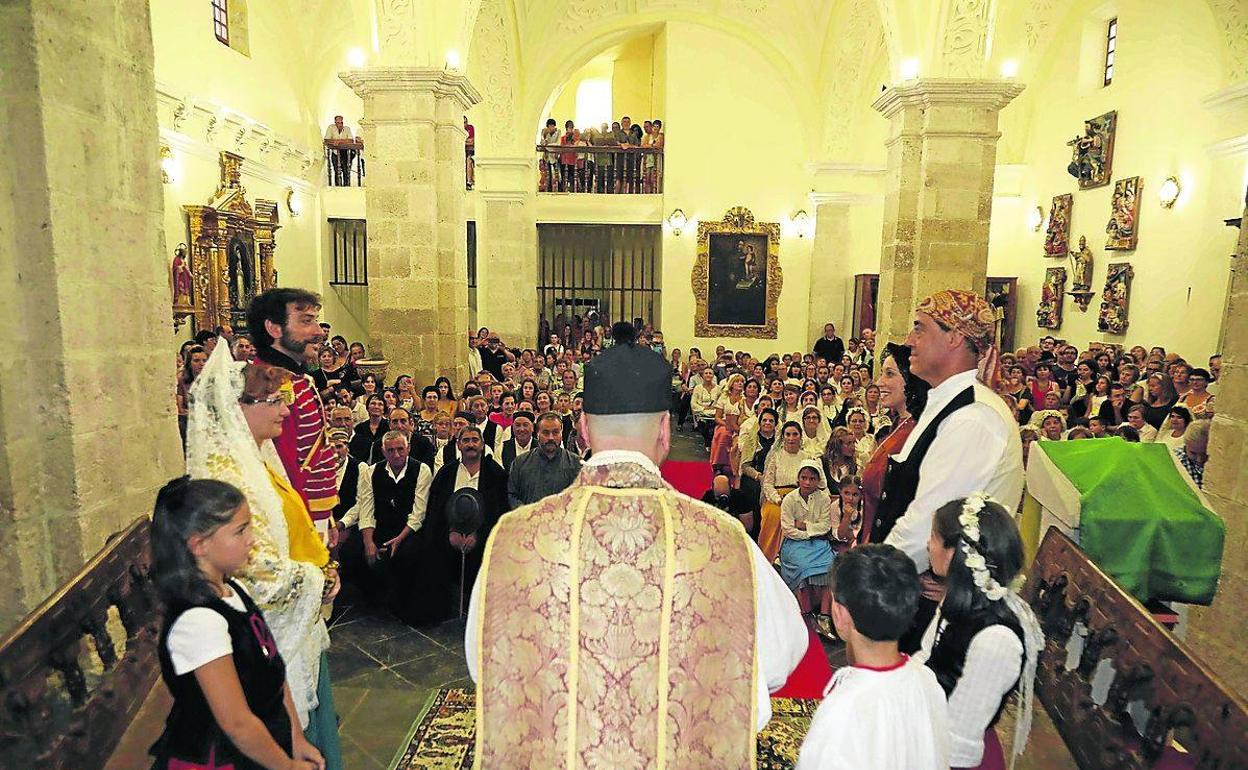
(830, 347)
(732, 501)
(442, 555)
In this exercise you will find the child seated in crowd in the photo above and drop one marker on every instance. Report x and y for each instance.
(805, 554)
(884, 711)
(231, 705)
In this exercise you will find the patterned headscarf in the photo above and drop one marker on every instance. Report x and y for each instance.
(970, 315)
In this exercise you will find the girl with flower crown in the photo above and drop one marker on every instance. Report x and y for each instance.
(983, 642)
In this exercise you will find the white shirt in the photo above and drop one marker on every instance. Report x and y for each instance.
(333, 132)
(782, 636)
(871, 719)
(702, 401)
(994, 661)
(976, 449)
(463, 478)
(201, 635)
(364, 511)
(352, 516)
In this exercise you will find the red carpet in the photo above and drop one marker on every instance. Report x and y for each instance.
(810, 676)
(689, 478)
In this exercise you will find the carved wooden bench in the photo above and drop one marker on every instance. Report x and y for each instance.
(1156, 697)
(76, 671)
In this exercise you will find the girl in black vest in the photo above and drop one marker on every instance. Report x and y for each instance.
(982, 644)
(231, 705)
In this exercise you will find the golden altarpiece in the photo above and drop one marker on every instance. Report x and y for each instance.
(230, 257)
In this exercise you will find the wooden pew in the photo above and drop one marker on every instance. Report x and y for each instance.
(76, 670)
(1178, 699)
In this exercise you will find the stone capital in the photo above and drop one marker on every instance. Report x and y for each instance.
(506, 178)
(441, 83)
(951, 92)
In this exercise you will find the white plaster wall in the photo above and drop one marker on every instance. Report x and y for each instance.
(1167, 61)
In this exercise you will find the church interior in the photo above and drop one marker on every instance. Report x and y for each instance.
(407, 162)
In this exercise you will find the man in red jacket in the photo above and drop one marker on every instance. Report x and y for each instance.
(283, 324)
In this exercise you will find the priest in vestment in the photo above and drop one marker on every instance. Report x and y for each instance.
(620, 623)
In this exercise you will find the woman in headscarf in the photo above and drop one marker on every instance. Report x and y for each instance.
(779, 479)
(815, 431)
(236, 411)
(806, 555)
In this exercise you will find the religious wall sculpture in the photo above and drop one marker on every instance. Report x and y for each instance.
(230, 259)
(1123, 227)
(1049, 312)
(1081, 275)
(1115, 298)
(1093, 154)
(736, 277)
(1057, 234)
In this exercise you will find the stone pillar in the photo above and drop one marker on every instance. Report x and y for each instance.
(942, 151)
(1216, 632)
(87, 425)
(414, 204)
(507, 249)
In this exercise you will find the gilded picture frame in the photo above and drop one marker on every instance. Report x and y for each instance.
(737, 277)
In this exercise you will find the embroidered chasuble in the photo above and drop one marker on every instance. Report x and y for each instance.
(617, 628)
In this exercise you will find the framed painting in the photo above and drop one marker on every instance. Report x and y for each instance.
(1057, 234)
(1115, 298)
(1092, 161)
(1123, 227)
(736, 277)
(1049, 311)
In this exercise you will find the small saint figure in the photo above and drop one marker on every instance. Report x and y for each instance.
(1082, 260)
(182, 280)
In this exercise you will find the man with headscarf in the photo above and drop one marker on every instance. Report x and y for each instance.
(622, 604)
(966, 439)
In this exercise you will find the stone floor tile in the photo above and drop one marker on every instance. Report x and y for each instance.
(448, 635)
(367, 628)
(405, 647)
(348, 662)
(433, 671)
(354, 757)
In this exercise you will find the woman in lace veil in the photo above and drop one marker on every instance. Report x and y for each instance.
(288, 573)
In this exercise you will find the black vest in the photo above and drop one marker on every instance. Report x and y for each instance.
(191, 733)
(901, 479)
(509, 452)
(392, 502)
(348, 490)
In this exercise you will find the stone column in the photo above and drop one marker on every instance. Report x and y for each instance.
(87, 425)
(942, 151)
(507, 249)
(1216, 632)
(414, 204)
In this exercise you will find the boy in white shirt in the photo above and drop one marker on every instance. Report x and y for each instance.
(884, 711)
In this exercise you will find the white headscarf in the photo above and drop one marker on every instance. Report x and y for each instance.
(220, 445)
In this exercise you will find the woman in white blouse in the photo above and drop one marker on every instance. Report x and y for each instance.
(984, 640)
(779, 479)
(729, 411)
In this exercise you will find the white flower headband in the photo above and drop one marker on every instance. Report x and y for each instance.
(969, 519)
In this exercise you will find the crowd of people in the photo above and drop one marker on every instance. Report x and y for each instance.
(308, 473)
(635, 166)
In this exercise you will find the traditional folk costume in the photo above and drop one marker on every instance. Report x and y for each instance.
(306, 456)
(879, 719)
(609, 626)
(806, 555)
(966, 440)
(779, 479)
(285, 571)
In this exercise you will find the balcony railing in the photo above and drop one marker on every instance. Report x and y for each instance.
(602, 170)
(344, 162)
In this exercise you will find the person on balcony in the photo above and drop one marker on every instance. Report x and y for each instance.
(550, 160)
(567, 160)
(341, 146)
(470, 148)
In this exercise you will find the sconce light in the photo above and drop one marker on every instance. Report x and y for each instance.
(168, 165)
(677, 221)
(801, 223)
(356, 57)
(452, 59)
(1009, 69)
(1036, 219)
(293, 204)
(1169, 192)
(909, 69)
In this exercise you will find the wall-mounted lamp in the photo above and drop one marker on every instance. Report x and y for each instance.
(168, 165)
(1009, 69)
(294, 204)
(356, 57)
(801, 223)
(677, 221)
(909, 69)
(452, 60)
(1169, 192)
(1035, 220)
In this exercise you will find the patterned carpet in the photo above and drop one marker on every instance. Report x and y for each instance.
(442, 737)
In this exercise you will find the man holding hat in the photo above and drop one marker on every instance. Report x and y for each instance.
(966, 439)
(611, 619)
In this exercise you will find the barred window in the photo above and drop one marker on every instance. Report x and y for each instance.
(1111, 43)
(221, 20)
(350, 252)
